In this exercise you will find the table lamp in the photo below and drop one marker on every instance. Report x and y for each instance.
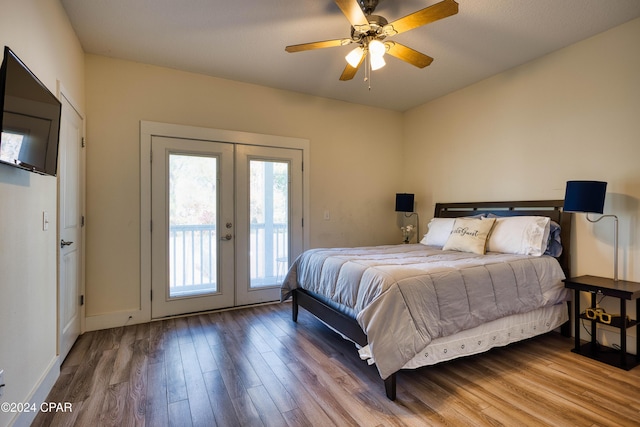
(404, 203)
(588, 197)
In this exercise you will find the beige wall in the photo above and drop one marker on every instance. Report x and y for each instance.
(39, 33)
(520, 135)
(355, 161)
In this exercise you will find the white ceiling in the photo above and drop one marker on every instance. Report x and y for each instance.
(244, 40)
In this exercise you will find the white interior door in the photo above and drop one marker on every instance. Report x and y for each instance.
(192, 236)
(268, 218)
(226, 221)
(70, 227)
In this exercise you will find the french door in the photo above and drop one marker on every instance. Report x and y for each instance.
(269, 219)
(226, 221)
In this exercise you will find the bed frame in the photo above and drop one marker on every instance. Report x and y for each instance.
(350, 328)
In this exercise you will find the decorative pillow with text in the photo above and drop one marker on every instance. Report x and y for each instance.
(469, 235)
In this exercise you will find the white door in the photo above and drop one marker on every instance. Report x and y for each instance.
(192, 216)
(268, 219)
(70, 227)
(216, 239)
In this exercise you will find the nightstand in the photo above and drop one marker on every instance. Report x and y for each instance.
(624, 291)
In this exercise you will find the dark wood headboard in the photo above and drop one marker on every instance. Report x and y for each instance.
(550, 208)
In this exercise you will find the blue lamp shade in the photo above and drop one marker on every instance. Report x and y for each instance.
(585, 196)
(404, 202)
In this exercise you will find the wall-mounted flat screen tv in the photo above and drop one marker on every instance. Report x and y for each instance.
(30, 119)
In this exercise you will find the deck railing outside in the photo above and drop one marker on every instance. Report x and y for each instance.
(193, 257)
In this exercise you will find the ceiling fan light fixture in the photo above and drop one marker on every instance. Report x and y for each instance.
(355, 56)
(377, 48)
(377, 62)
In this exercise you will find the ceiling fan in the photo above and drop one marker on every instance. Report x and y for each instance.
(370, 31)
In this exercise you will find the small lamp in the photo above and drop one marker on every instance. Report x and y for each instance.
(588, 197)
(377, 62)
(355, 56)
(377, 49)
(404, 203)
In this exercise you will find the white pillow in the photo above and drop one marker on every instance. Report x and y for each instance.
(469, 235)
(439, 231)
(525, 235)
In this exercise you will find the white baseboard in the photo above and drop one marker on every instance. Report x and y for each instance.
(39, 394)
(117, 319)
(134, 317)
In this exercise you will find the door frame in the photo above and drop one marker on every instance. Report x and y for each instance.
(148, 130)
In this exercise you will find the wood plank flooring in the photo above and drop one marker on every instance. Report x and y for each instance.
(255, 367)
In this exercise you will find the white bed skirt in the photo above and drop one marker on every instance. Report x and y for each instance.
(482, 338)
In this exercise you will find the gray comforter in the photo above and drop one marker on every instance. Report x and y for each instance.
(404, 296)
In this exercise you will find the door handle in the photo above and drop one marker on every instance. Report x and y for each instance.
(227, 237)
(63, 243)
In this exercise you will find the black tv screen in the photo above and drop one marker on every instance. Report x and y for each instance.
(30, 119)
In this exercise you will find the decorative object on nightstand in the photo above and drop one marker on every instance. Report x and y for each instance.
(407, 232)
(404, 204)
(588, 197)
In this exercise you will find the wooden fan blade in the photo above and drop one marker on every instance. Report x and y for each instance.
(317, 45)
(422, 17)
(355, 15)
(350, 72)
(409, 55)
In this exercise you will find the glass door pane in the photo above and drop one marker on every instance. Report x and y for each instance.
(269, 222)
(193, 241)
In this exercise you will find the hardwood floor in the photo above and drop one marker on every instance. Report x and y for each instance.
(254, 367)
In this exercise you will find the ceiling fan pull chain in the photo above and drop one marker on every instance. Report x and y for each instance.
(367, 69)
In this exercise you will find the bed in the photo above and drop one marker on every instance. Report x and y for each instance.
(412, 305)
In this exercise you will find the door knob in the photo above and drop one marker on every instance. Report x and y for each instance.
(63, 243)
(227, 237)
